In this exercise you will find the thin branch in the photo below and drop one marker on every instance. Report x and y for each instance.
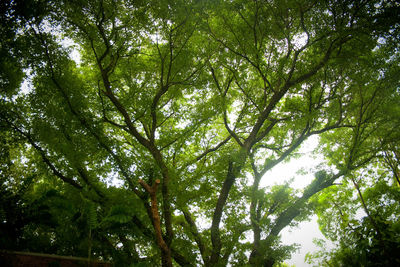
(207, 151)
(373, 222)
(195, 232)
(46, 159)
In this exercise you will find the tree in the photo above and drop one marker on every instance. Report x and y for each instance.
(371, 239)
(189, 104)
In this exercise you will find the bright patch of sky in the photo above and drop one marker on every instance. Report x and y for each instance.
(300, 40)
(74, 54)
(297, 168)
(27, 85)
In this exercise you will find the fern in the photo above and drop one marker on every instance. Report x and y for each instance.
(91, 213)
(91, 217)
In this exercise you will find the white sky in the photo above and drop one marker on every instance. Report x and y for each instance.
(303, 235)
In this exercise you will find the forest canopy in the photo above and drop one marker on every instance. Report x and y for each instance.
(139, 132)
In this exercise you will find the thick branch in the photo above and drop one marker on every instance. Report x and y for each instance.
(287, 216)
(181, 260)
(166, 252)
(233, 170)
(393, 166)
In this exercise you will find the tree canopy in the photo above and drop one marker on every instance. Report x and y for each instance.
(139, 131)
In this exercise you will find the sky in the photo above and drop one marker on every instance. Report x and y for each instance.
(303, 235)
(305, 232)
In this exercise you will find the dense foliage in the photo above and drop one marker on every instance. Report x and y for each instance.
(139, 131)
(369, 238)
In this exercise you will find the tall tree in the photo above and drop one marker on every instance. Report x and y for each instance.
(189, 104)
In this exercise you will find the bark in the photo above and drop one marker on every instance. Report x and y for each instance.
(180, 259)
(215, 234)
(165, 250)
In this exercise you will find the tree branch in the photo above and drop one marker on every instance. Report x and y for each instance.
(166, 252)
